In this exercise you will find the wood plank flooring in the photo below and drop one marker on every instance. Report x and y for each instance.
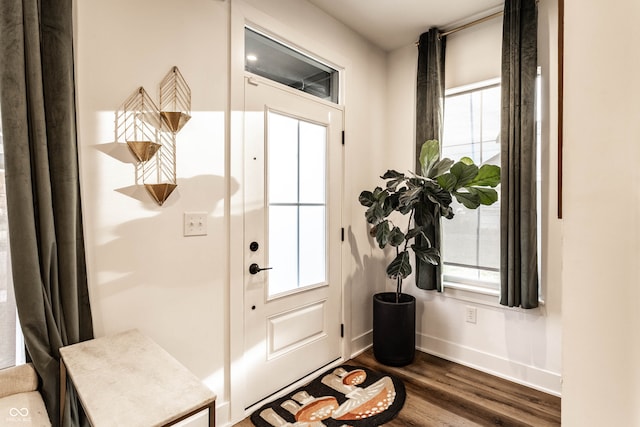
(443, 393)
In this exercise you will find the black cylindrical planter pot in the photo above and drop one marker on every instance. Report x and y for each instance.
(394, 328)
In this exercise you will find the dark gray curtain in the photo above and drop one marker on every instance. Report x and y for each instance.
(518, 221)
(429, 118)
(43, 198)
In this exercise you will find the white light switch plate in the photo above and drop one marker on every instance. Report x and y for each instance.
(195, 223)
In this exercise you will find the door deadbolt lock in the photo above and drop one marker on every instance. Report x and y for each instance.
(255, 268)
(253, 246)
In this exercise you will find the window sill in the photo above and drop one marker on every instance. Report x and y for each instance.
(479, 295)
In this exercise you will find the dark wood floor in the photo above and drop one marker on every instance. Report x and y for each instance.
(443, 393)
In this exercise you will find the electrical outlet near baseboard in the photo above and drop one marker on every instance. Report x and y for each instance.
(470, 314)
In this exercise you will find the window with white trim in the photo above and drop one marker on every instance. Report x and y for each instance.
(471, 240)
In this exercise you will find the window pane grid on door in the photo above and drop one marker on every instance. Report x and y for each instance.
(296, 169)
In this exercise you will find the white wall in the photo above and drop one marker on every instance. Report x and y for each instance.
(142, 272)
(523, 345)
(601, 277)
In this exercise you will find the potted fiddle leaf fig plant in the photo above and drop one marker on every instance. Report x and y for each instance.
(419, 198)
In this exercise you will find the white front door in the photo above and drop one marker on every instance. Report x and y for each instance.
(292, 236)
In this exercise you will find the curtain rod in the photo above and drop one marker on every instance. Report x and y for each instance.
(469, 24)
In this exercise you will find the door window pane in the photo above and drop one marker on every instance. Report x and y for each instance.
(296, 194)
(312, 245)
(283, 249)
(283, 151)
(312, 163)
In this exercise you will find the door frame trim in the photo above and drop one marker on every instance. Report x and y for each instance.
(241, 15)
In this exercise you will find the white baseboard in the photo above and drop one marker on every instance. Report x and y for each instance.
(201, 419)
(530, 376)
(360, 343)
(520, 373)
(223, 414)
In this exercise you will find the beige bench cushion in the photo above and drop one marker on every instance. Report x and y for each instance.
(18, 379)
(23, 409)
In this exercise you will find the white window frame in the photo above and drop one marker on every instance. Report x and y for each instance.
(488, 292)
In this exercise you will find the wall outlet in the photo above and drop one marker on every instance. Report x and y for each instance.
(470, 314)
(195, 223)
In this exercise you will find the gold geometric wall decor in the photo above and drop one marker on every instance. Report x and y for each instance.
(139, 131)
(150, 133)
(159, 173)
(175, 100)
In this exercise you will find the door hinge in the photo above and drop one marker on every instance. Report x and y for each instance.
(342, 234)
(342, 330)
(342, 137)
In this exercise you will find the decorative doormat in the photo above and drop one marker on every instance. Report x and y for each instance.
(347, 396)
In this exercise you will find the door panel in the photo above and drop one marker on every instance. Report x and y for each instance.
(291, 330)
(293, 179)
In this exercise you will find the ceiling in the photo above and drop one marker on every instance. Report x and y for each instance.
(394, 23)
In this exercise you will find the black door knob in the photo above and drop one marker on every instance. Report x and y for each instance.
(255, 268)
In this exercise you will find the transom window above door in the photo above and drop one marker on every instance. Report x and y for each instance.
(275, 61)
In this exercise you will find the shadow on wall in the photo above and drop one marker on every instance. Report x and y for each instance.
(430, 315)
(368, 277)
(117, 150)
(120, 151)
(153, 250)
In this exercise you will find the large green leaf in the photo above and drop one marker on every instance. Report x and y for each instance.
(394, 178)
(378, 206)
(469, 200)
(379, 194)
(374, 214)
(382, 233)
(448, 181)
(464, 173)
(396, 237)
(405, 209)
(466, 160)
(440, 167)
(400, 266)
(366, 198)
(446, 211)
(488, 176)
(390, 173)
(427, 254)
(410, 196)
(429, 155)
(486, 196)
(390, 204)
(439, 196)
